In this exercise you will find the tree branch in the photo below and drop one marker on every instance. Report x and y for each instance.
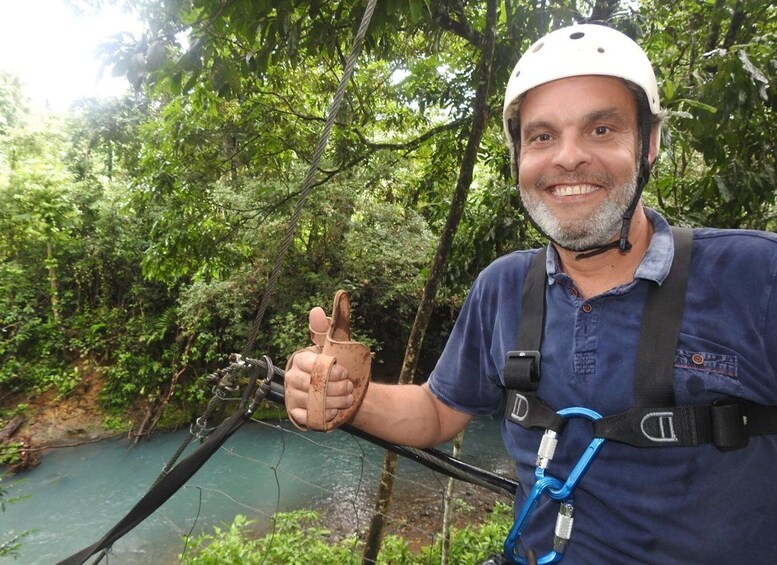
(413, 143)
(457, 27)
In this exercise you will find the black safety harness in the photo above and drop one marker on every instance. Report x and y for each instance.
(655, 420)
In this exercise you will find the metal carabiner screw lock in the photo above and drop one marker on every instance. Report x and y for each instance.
(564, 522)
(547, 449)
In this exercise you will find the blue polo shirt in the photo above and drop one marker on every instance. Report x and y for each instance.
(637, 505)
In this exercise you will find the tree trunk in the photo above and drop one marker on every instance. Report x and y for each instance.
(10, 428)
(447, 514)
(51, 263)
(480, 114)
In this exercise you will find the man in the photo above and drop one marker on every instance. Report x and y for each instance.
(582, 120)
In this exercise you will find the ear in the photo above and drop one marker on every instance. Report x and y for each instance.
(655, 144)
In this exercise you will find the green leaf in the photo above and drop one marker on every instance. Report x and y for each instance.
(723, 189)
(699, 105)
(668, 91)
(416, 9)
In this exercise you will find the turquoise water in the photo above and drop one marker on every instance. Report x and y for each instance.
(78, 494)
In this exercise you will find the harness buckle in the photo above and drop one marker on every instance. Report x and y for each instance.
(522, 370)
(728, 424)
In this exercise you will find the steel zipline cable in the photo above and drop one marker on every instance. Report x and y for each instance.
(307, 184)
(291, 227)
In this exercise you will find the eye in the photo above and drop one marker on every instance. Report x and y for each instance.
(542, 137)
(601, 130)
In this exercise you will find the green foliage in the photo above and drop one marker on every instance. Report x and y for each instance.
(719, 168)
(475, 543)
(13, 110)
(115, 423)
(10, 453)
(137, 235)
(37, 217)
(299, 538)
(223, 546)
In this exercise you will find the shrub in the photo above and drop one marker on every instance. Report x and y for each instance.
(300, 539)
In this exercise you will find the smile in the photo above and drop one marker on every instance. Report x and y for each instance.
(572, 189)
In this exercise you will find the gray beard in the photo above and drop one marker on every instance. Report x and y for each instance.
(584, 233)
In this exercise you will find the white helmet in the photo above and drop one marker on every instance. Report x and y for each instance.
(584, 49)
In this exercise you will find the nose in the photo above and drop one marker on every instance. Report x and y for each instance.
(571, 153)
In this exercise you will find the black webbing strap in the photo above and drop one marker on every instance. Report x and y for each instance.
(164, 489)
(727, 424)
(522, 367)
(663, 314)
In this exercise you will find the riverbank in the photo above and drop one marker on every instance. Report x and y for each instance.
(51, 421)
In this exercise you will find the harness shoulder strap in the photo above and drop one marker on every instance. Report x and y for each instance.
(654, 372)
(522, 370)
(522, 367)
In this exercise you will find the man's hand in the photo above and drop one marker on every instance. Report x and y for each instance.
(338, 390)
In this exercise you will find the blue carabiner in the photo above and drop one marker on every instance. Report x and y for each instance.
(556, 490)
(585, 459)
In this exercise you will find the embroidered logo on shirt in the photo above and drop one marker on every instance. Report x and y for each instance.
(585, 362)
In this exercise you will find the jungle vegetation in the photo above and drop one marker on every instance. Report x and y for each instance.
(137, 234)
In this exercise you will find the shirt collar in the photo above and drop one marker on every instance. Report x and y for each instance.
(656, 262)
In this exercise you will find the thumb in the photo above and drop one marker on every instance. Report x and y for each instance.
(318, 320)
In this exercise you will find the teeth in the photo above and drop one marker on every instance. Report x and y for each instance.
(573, 190)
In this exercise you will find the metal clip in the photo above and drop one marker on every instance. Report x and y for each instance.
(263, 388)
(556, 490)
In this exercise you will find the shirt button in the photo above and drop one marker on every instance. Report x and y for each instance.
(587, 308)
(697, 359)
(575, 293)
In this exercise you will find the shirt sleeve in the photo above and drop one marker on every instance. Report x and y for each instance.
(467, 376)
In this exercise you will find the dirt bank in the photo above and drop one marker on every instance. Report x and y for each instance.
(52, 421)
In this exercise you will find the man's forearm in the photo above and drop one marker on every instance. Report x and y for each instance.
(408, 415)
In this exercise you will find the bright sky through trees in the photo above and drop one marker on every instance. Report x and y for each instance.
(54, 50)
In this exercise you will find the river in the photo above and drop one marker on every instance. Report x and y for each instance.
(77, 494)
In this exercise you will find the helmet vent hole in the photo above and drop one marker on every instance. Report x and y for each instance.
(537, 47)
(577, 35)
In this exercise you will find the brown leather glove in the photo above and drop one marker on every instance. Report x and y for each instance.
(336, 346)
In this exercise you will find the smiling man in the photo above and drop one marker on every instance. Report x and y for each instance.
(577, 163)
(671, 336)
